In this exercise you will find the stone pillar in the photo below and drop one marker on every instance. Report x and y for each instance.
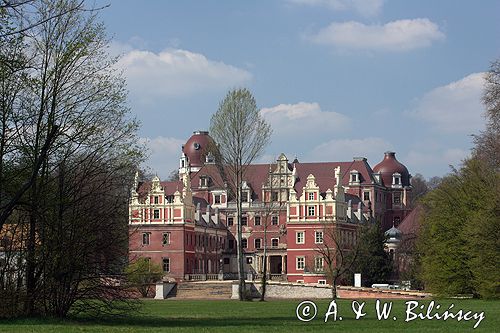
(283, 263)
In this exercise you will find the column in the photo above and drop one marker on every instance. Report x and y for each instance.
(283, 263)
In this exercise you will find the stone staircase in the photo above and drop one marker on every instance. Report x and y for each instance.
(201, 290)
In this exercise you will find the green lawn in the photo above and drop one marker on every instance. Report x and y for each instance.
(270, 316)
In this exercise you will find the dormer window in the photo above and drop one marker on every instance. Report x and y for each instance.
(310, 196)
(355, 177)
(204, 181)
(396, 179)
(244, 196)
(209, 158)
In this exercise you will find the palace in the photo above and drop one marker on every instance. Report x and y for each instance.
(189, 225)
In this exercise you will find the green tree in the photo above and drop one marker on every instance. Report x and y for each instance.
(460, 233)
(142, 274)
(373, 262)
(241, 135)
(459, 243)
(72, 145)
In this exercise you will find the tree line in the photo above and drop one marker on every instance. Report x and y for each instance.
(458, 251)
(68, 152)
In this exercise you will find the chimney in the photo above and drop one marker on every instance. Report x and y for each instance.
(197, 214)
(216, 215)
(349, 210)
(360, 213)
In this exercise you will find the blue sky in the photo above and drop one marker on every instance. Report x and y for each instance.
(335, 78)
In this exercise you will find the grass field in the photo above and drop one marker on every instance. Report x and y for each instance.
(270, 316)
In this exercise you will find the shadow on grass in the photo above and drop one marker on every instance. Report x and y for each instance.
(154, 322)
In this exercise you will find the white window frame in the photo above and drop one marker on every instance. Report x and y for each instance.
(322, 282)
(255, 220)
(156, 199)
(166, 261)
(317, 238)
(277, 220)
(244, 243)
(319, 268)
(148, 238)
(310, 196)
(155, 215)
(300, 263)
(277, 242)
(167, 238)
(217, 199)
(364, 196)
(311, 210)
(300, 237)
(255, 243)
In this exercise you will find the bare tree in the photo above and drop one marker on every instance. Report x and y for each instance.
(241, 134)
(338, 254)
(270, 209)
(72, 146)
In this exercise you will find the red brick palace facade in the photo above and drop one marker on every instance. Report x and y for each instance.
(188, 226)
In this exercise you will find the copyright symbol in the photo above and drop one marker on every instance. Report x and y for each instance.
(306, 311)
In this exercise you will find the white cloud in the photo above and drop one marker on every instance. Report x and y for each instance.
(455, 107)
(164, 154)
(401, 35)
(363, 7)
(432, 161)
(175, 72)
(290, 121)
(345, 149)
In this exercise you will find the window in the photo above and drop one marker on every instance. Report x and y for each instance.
(310, 196)
(166, 238)
(230, 221)
(249, 260)
(226, 261)
(318, 237)
(300, 281)
(244, 243)
(299, 237)
(217, 198)
(310, 211)
(274, 220)
(166, 265)
(257, 243)
(156, 214)
(145, 238)
(397, 198)
(274, 242)
(366, 196)
(397, 219)
(244, 196)
(169, 198)
(354, 177)
(257, 220)
(231, 244)
(204, 181)
(274, 196)
(318, 264)
(244, 220)
(321, 281)
(300, 262)
(156, 200)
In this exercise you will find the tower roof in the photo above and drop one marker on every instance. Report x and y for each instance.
(196, 147)
(389, 166)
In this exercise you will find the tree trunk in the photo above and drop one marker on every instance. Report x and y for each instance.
(241, 271)
(264, 271)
